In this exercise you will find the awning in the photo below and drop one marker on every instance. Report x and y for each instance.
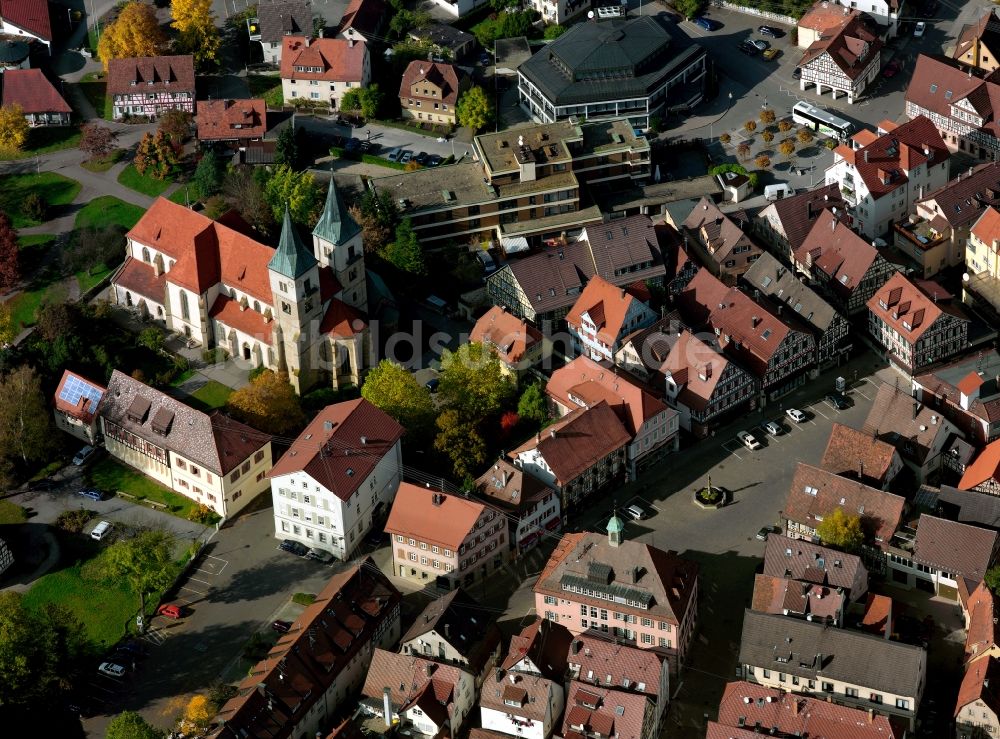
(514, 244)
(553, 524)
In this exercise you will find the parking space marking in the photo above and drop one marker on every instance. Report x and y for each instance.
(213, 565)
(736, 447)
(203, 582)
(814, 409)
(863, 395)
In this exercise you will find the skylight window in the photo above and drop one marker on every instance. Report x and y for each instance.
(933, 88)
(766, 334)
(947, 95)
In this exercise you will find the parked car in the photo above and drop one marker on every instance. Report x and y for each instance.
(772, 54)
(485, 59)
(434, 160)
(747, 439)
(320, 555)
(406, 156)
(766, 530)
(84, 455)
(111, 668)
(92, 494)
(432, 384)
(774, 428)
(772, 31)
(294, 547)
(796, 415)
(170, 610)
(797, 73)
(707, 23)
(761, 44)
(890, 69)
(421, 158)
(282, 627)
(747, 48)
(638, 511)
(837, 400)
(394, 154)
(918, 30)
(132, 647)
(101, 530)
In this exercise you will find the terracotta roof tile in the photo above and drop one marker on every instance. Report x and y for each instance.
(592, 660)
(878, 618)
(412, 681)
(341, 446)
(140, 278)
(511, 336)
(987, 227)
(511, 488)
(606, 304)
(943, 381)
(981, 682)
(983, 633)
(900, 301)
(31, 15)
(856, 454)
(850, 45)
(462, 622)
(796, 598)
(341, 320)
(229, 311)
(608, 712)
(337, 59)
(962, 200)
(415, 515)
(151, 74)
(801, 560)
(797, 213)
(545, 643)
(444, 76)
(221, 120)
(31, 89)
(985, 467)
(718, 231)
(954, 547)
(532, 693)
(914, 429)
(836, 250)
(697, 367)
(365, 16)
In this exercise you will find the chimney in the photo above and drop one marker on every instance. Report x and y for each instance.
(503, 478)
(350, 42)
(429, 669)
(386, 707)
(513, 678)
(866, 156)
(308, 41)
(795, 706)
(552, 433)
(871, 715)
(447, 631)
(437, 499)
(916, 409)
(575, 647)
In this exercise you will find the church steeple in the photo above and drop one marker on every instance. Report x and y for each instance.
(336, 224)
(291, 259)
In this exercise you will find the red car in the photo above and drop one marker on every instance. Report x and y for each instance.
(170, 610)
(890, 69)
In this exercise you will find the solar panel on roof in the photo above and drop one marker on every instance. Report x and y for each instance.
(75, 388)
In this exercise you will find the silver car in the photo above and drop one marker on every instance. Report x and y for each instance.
(406, 157)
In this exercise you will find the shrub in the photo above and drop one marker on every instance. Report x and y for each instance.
(750, 126)
(767, 116)
(767, 136)
(73, 521)
(34, 206)
(725, 138)
(304, 599)
(203, 515)
(784, 125)
(256, 372)
(762, 162)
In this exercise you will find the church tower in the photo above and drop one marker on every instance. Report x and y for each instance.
(337, 243)
(294, 276)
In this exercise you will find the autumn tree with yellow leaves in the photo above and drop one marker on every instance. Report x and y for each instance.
(135, 32)
(198, 34)
(13, 129)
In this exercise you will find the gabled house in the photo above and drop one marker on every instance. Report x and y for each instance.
(532, 508)
(317, 667)
(881, 177)
(785, 223)
(576, 587)
(338, 478)
(521, 705)
(979, 43)
(321, 70)
(452, 44)
(429, 91)
(39, 100)
(983, 475)
(579, 454)
(982, 624)
(777, 354)
(651, 425)
(797, 599)
(75, 406)
(593, 711)
(603, 315)
(454, 630)
(856, 455)
(843, 60)
(542, 648)
(921, 435)
(982, 263)
(798, 559)
(977, 709)
(966, 392)
(878, 617)
(149, 86)
(914, 329)
(277, 19)
(792, 298)
(364, 20)
(962, 505)
(848, 269)
(518, 344)
(234, 122)
(445, 540)
(28, 19)
(720, 242)
(426, 698)
(844, 666)
(815, 494)
(213, 460)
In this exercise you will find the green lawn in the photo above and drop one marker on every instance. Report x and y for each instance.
(11, 513)
(267, 87)
(104, 609)
(25, 306)
(184, 194)
(94, 88)
(45, 139)
(34, 244)
(143, 183)
(108, 209)
(56, 189)
(211, 395)
(87, 279)
(112, 476)
(103, 164)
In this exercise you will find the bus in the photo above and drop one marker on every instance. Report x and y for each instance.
(820, 120)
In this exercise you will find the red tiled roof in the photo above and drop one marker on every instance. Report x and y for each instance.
(970, 383)
(341, 446)
(878, 615)
(510, 487)
(987, 227)
(531, 693)
(802, 560)
(884, 163)
(856, 453)
(413, 681)
(364, 16)
(229, 311)
(981, 682)
(957, 548)
(151, 74)
(32, 90)
(140, 278)
(697, 367)
(415, 515)
(338, 59)
(607, 306)
(222, 120)
(585, 379)
(983, 632)
(797, 213)
(816, 493)
(597, 660)
(719, 231)
(852, 46)
(905, 303)
(544, 642)
(825, 17)
(77, 396)
(614, 712)
(444, 76)
(836, 250)
(341, 320)
(31, 15)
(511, 336)
(985, 467)
(783, 596)
(578, 441)
(798, 715)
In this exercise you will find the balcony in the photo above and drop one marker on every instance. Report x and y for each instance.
(916, 235)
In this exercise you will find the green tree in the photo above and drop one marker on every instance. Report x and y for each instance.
(245, 192)
(286, 148)
(130, 725)
(155, 155)
(992, 579)
(144, 561)
(533, 405)
(297, 190)
(475, 109)
(553, 32)
(474, 383)
(25, 425)
(689, 8)
(461, 442)
(208, 175)
(350, 101)
(197, 33)
(404, 252)
(841, 530)
(268, 403)
(392, 388)
(371, 100)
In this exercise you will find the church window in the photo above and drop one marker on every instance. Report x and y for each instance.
(286, 308)
(256, 306)
(185, 311)
(145, 255)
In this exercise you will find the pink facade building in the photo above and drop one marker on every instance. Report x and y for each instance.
(640, 595)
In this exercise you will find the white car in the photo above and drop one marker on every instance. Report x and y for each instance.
(919, 29)
(748, 441)
(796, 415)
(112, 669)
(774, 428)
(394, 154)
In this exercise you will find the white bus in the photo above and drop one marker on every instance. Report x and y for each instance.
(818, 119)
